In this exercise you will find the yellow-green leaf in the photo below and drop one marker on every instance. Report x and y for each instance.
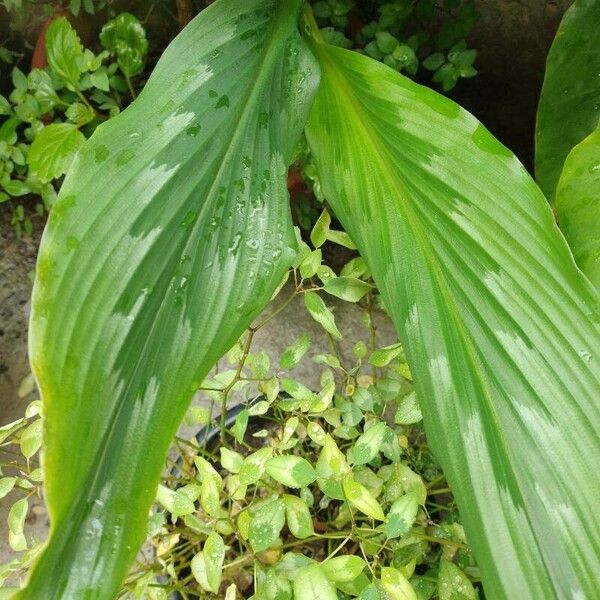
(396, 585)
(53, 150)
(342, 569)
(63, 50)
(267, 521)
(361, 498)
(298, 517)
(214, 555)
(500, 329)
(293, 471)
(311, 583)
(453, 584)
(578, 204)
(321, 313)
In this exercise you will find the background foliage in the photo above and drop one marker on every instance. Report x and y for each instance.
(415, 38)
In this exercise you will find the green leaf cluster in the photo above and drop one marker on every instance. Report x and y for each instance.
(409, 34)
(290, 466)
(125, 37)
(48, 115)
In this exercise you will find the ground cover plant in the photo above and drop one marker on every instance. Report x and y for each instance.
(168, 261)
(301, 494)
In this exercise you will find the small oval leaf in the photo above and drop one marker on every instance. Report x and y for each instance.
(293, 471)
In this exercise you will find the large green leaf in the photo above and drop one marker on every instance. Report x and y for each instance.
(578, 204)
(171, 232)
(499, 326)
(570, 102)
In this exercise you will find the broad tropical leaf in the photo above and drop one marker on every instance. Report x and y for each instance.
(570, 101)
(171, 232)
(578, 204)
(499, 327)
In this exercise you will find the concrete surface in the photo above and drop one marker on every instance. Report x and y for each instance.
(17, 262)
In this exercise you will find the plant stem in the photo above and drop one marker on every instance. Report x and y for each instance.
(276, 311)
(185, 12)
(130, 86)
(433, 482)
(85, 101)
(437, 540)
(372, 336)
(233, 382)
(309, 25)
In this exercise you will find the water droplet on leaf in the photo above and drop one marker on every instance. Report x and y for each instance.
(237, 238)
(193, 130)
(189, 219)
(101, 153)
(223, 101)
(125, 156)
(72, 243)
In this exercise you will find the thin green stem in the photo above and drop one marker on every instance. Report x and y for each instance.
(372, 334)
(233, 382)
(309, 25)
(435, 481)
(130, 86)
(276, 311)
(85, 101)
